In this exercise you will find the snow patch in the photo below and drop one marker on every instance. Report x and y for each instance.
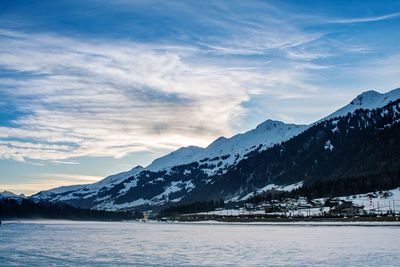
(270, 187)
(328, 145)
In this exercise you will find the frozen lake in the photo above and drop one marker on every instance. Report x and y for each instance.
(62, 243)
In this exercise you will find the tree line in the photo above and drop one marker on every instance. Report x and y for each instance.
(195, 207)
(28, 209)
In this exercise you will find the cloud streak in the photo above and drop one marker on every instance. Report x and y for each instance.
(366, 19)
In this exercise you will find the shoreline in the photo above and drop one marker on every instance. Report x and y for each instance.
(288, 220)
(296, 223)
(215, 223)
(265, 222)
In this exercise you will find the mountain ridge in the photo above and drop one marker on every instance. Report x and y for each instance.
(199, 168)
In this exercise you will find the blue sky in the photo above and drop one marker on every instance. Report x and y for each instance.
(91, 88)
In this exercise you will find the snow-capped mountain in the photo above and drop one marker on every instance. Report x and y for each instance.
(11, 195)
(367, 100)
(183, 172)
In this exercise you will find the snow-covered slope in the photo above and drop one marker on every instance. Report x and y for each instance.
(61, 193)
(117, 178)
(266, 134)
(367, 100)
(178, 157)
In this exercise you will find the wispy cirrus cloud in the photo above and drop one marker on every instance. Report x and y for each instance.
(83, 98)
(365, 19)
(65, 162)
(87, 96)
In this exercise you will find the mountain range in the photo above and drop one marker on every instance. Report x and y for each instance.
(358, 140)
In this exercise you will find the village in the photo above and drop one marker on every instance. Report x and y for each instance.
(378, 206)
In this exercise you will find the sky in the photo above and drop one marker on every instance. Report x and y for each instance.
(92, 88)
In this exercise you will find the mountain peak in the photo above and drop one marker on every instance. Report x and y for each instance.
(219, 140)
(366, 97)
(180, 156)
(9, 194)
(137, 168)
(5, 192)
(268, 124)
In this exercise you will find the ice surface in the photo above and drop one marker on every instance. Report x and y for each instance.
(165, 244)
